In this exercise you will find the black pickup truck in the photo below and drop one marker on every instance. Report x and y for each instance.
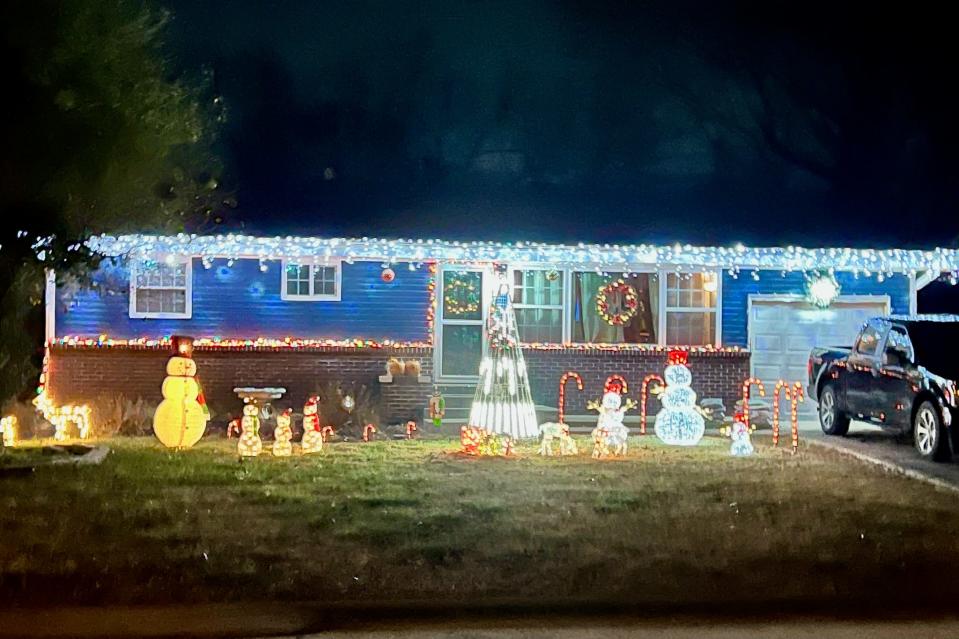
(901, 374)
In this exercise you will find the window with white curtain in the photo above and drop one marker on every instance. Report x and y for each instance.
(538, 304)
(691, 308)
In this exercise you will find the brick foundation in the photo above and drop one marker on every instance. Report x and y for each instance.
(82, 374)
(718, 374)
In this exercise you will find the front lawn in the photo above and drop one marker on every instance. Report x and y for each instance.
(386, 521)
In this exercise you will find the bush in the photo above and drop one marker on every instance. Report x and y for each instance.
(118, 415)
(366, 410)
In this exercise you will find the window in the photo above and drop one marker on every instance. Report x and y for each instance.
(898, 342)
(868, 342)
(162, 289)
(310, 281)
(588, 326)
(538, 303)
(691, 308)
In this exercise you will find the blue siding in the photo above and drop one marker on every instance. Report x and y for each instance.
(242, 302)
(736, 292)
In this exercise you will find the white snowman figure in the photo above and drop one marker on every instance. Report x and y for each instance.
(180, 419)
(312, 432)
(283, 434)
(250, 444)
(741, 446)
(679, 423)
(612, 412)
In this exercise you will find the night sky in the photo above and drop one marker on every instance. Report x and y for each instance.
(815, 123)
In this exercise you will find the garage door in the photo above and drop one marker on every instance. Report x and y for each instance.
(783, 331)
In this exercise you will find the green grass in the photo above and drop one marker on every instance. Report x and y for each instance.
(411, 520)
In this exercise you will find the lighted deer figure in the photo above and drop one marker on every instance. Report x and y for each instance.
(644, 395)
(747, 385)
(568, 375)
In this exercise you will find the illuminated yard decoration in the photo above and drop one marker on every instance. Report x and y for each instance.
(568, 375)
(484, 443)
(503, 403)
(741, 446)
(180, 419)
(250, 444)
(312, 441)
(747, 386)
(644, 397)
(326, 433)
(437, 407)
(616, 382)
(679, 423)
(410, 429)
(797, 396)
(60, 416)
(8, 430)
(782, 386)
(283, 434)
(368, 431)
(610, 424)
(550, 432)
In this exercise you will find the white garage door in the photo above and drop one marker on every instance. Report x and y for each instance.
(782, 331)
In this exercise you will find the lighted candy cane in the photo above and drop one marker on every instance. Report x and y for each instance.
(368, 430)
(752, 381)
(620, 379)
(327, 432)
(643, 396)
(410, 428)
(562, 391)
(781, 385)
(797, 396)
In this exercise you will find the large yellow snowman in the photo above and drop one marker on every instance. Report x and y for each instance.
(180, 420)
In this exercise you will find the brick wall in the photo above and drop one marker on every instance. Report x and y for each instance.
(84, 373)
(78, 374)
(718, 374)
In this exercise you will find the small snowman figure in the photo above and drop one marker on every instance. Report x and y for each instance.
(283, 434)
(250, 444)
(312, 433)
(741, 446)
(679, 423)
(611, 435)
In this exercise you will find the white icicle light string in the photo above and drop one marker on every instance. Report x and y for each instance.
(611, 257)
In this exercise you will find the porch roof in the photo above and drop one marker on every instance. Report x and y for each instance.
(610, 257)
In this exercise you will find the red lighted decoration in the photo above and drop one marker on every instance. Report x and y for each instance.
(568, 375)
(368, 432)
(747, 385)
(644, 396)
(470, 439)
(233, 428)
(617, 383)
(783, 387)
(410, 429)
(327, 432)
(677, 356)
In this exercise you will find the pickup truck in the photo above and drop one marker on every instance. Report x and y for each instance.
(901, 374)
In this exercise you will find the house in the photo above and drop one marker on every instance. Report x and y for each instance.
(295, 312)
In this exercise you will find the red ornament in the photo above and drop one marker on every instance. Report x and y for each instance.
(388, 275)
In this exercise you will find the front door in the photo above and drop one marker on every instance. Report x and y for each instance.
(462, 309)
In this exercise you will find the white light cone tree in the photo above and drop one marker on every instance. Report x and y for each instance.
(503, 403)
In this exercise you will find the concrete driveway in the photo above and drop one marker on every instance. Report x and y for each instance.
(874, 445)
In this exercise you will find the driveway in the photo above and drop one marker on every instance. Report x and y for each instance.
(871, 443)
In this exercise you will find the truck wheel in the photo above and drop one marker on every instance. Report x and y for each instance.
(832, 420)
(929, 435)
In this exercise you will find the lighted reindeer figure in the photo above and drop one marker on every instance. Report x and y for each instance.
(568, 375)
(644, 397)
(551, 431)
(747, 385)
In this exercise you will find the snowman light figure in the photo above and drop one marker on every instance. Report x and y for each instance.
(283, 434)
(250, 444)
(180, 419)
(741, 446)
(611, 435)
(680, 422)
(312, 433)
